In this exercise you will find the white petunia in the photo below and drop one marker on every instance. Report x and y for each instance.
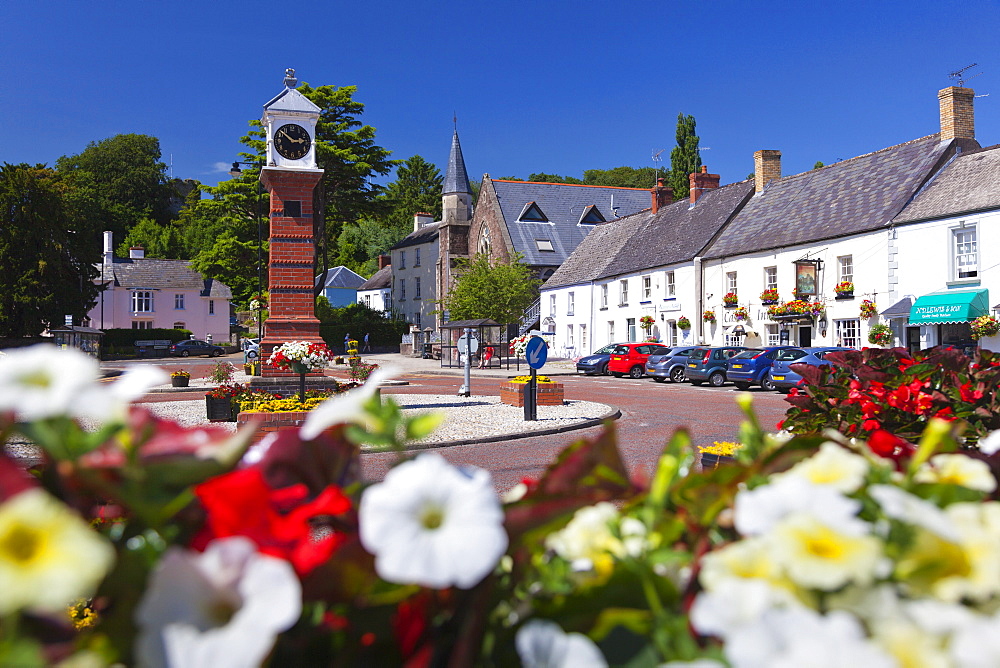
(44, 381)
(49, 556)
(747, 559)
(758, 510)
(587, 537)
(978, 527)
(736, 603)
(905, 507)
(815, 554)
(543, 644)
(957, 470)
(976, 643)
(834, 466)
(216, 609)
(991, 444)
(345, 408)
(432, 524)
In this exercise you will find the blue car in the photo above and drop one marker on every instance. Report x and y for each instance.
(710, 364)
(783, 377)
(751, 367)
(669, 365)
(596, 363)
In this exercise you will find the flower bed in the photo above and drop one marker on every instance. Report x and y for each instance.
(548, 394)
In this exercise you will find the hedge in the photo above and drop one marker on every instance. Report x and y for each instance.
(124, 338)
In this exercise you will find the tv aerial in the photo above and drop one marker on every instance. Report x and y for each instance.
(656, 159)
(960, 75)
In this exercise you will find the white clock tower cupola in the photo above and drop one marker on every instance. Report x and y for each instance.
(290, 126)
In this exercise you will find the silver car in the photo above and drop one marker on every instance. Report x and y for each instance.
(669, 366)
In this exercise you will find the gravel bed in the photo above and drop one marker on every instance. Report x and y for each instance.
(467, 419)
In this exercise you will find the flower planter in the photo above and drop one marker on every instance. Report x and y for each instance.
(549, 394)
(220, 409)
(845, 295)
(180, 381)
(710, 461)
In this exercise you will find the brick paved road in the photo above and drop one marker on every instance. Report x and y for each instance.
(650, 413)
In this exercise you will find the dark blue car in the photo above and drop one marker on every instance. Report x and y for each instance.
(710, 364)
(669, 365)
(751, 367)
(783, 377)
(596, 363)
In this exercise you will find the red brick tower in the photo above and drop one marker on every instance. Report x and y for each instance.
(290, 176)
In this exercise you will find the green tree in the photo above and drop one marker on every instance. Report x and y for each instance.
(819, 163)
(118, 181)
(496, 290)
(47, 253)
(162, 241)
(685, 159)
(542, 177)
(417, 188)
(621, 177)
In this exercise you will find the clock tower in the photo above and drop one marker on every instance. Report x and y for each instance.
(290, 176)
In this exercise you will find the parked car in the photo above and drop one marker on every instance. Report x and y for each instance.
(596, 363)
(630, 358)
(251, 348)
(783, 377)
(195, 347)
(669, 365)
(710, 364)
(751, 367)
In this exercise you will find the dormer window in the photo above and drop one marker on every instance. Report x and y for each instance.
(532, 214)
(592, 216)
(544, 245)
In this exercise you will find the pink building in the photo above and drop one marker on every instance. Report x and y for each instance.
(148, 293)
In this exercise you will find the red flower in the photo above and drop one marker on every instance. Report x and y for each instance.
(869, 425)
(240, 503)
(780, 425)
(887, 444)
(968, 394)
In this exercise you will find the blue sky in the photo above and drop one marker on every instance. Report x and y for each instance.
(554, 87)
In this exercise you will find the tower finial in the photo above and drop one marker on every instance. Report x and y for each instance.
(290, 80)
(454, 120)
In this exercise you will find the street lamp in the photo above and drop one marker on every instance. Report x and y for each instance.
(237, 172)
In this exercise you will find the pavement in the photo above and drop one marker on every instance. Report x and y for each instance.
(410, 364)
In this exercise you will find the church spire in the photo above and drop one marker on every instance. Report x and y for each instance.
(456, 180)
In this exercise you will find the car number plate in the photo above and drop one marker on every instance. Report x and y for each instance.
(737, 366)
(693, 366)
(777, 377)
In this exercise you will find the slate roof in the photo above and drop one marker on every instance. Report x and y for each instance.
(562, 204)
(340, 277)
(380, 280)
(157, 274)
(291, 100)
(850, 197)
(424, 235)
(969, 183)
(456, 179)
(675, 233)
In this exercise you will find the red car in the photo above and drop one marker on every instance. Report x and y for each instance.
(630, 358)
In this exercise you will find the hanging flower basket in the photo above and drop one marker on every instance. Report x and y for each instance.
(742, 313)
(844, 289)
(708, 316)
(647, 322)
(769, 296)
(868, 309)
(730, 299)
(683, 323)
(984, 325)
(880, 335)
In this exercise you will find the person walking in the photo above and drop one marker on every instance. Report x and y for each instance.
(367, 347)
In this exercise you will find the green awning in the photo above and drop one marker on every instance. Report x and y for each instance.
(949, 306)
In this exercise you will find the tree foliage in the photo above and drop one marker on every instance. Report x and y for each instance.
(118, 181)
(617, 177)
(47, 251)
(497, 290)
(685, 158)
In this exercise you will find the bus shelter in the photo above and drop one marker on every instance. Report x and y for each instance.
(86, 339)
(489, 334)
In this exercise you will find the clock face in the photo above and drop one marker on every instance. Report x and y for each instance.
(292, 141)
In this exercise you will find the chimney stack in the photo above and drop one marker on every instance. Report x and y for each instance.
(136, 253)
(420, 219)
(766, 168)
(384, 261)
(662, 195)
(109, 248)
(957, 118)
(698, 183)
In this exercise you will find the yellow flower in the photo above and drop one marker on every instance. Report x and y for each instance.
(723, 448)
(822, 556)
(49, 556)
(833, 466)
(958, 470)
(748, 559)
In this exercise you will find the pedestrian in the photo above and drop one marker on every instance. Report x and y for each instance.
(347, 343)
(367, 347)
(484, 362)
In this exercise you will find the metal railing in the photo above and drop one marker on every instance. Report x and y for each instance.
(530, 317)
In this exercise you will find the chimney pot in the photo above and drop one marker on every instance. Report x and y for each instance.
(136, 253)
(661, 195)
(767, 167)
(384, 261)
(420, 219)
(958, 119)
(109, 248)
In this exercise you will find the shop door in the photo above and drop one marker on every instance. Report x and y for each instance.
(913, 339)
(805, 336)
